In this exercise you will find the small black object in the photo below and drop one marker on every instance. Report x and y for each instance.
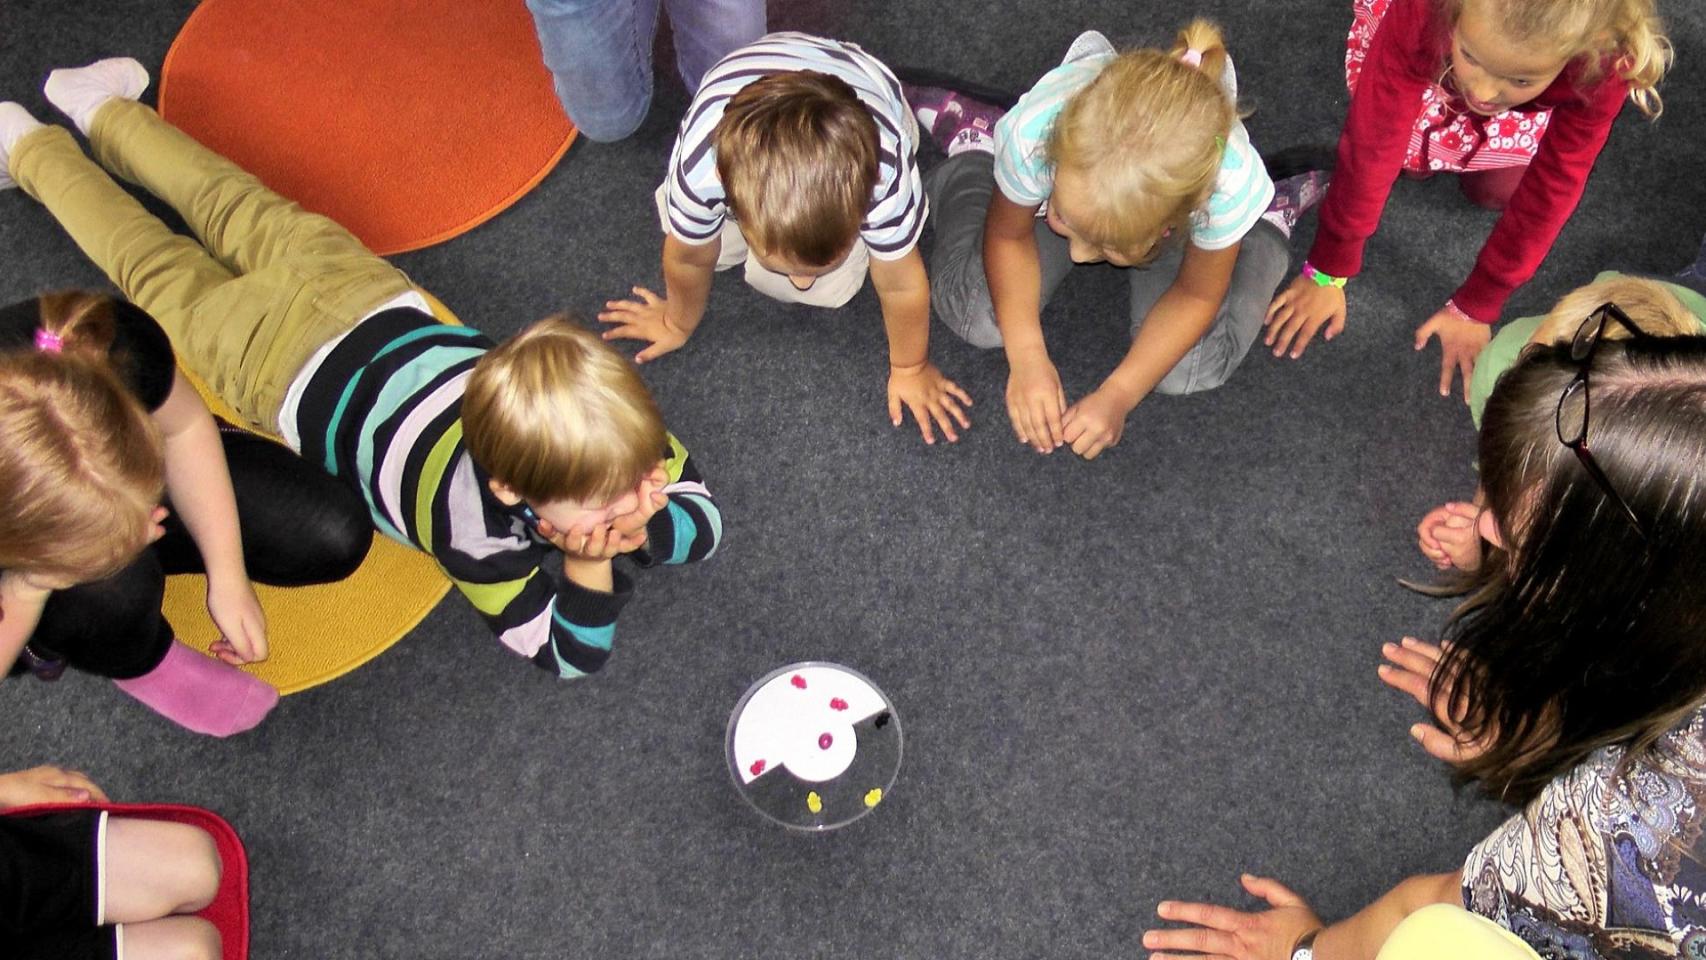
(1301, 158)
(881, 720)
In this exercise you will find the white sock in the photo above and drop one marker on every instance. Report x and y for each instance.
(15, 123)
(80, 92)
(926, 118)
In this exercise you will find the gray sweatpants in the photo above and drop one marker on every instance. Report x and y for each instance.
(959, 190)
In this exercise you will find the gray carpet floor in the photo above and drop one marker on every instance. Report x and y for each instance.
(1120, 681)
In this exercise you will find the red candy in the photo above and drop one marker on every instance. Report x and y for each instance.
(836, 703)
(757, 767)
(824, 742)
(798, 681)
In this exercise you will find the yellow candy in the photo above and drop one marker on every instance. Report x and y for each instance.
(814, 803)
(874, 797)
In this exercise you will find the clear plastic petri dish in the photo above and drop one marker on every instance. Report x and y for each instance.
(814, 746)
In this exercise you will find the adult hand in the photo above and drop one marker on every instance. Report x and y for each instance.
(1036, 402)
(1227, 934)
(1460, 340)
(236, 611)
(1299, 311)
(646, 318)
(1094, 423)
(1410, 667)
(1448, 537)
(930, 396)
(47, 784)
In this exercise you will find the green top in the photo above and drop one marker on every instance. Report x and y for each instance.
(1499, 355)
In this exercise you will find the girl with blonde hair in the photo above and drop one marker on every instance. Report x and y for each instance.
(1515, 96)
(1136, 159)
(115, 476)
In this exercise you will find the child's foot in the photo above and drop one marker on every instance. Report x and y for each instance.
(955, 122)
(1293, 197)
(1090, 43)
(202, 694)
(15, 123)
(79, 92)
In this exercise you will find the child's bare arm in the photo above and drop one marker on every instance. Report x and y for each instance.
(903, 289)
(1035, 400)
(669, 320)
(22, 599)
(1174, 325)
(199, 485)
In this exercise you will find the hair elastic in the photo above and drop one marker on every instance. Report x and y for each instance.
(1191, 57)
(49, 342)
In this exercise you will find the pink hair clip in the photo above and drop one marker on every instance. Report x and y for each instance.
(48, 341)
(1191, 57)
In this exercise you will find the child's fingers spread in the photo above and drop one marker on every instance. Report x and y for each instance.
(959, 394)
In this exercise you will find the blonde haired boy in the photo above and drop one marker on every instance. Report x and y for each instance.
(796, 159)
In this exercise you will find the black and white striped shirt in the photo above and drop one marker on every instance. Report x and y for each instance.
(694, 194)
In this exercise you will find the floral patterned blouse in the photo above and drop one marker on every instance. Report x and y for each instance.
(1606, 862)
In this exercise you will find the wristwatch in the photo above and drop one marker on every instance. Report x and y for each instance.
(1305, 949)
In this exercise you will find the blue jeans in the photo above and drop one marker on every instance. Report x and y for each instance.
(600, 52)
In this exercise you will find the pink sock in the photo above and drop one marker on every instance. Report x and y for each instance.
(202, 694)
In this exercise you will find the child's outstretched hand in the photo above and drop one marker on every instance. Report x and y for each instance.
(1460, 341)
(922, 389)
(646, 318)
(1299, 311)
(1036, 403)
(1094, 423)
(1448, 537)
(1409, 668)
(47, 785)
(236, 611)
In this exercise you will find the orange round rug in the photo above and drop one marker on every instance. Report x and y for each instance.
(407, 121)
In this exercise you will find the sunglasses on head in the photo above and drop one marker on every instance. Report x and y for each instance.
(1573, 406)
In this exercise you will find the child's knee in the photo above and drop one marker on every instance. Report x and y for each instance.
(199, 870)
(201, 940)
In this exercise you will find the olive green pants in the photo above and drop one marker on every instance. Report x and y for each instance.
(247, 301)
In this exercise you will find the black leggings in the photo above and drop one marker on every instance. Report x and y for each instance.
(300, 525)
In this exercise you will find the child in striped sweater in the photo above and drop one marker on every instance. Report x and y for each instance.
(524, 468)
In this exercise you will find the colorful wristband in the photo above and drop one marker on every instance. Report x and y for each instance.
(1322, 279)
(1459, 313)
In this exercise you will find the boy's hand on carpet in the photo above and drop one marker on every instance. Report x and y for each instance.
(1460, 341)
(47, 784)
(922, 389)
(644, 319)
(1299, 311)
(236, 611)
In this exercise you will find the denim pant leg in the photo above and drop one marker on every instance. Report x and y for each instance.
(706, 31)
(599, 53)
(959, 190)
(1263, 259)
